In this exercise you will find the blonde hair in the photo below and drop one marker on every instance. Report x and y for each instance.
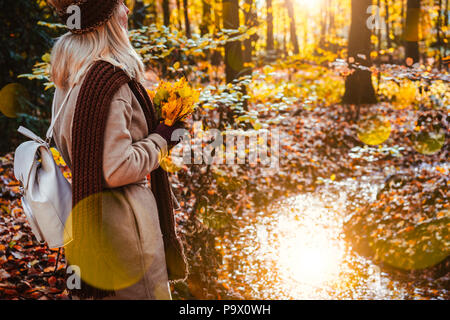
(73, 54)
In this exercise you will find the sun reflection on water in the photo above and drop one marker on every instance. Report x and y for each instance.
(297, 250)
(304, 245)
(310, 257)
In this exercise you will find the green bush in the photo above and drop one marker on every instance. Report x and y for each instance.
(23, 43)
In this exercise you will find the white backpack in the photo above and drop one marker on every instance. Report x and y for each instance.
(47, 195)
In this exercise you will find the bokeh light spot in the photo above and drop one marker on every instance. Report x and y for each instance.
(109, 259)
(374, 130)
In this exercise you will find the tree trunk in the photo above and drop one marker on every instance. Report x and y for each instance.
(138, 14)
(216, 57)
(388, 29)
(233, 50)
(152, 12)
(206, 17)
(411, 32)
(187, 24)
(358, 86)
(284, 23)
(402, 14)
(323, 24)
(178, 14)
(379, 39)
(331, 28)
(305, 36)
(447, 15)
(166, 12)
(269, 44)
(446, 24)
(388, 24)
(250, 21)
(438, 34)
(292, 29)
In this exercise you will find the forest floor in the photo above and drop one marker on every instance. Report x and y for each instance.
(405, 228)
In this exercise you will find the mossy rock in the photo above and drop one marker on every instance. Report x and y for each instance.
(425, 246)
(11, 99)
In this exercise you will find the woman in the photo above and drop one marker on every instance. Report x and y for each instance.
(124, 241)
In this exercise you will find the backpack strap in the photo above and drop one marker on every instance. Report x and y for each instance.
(49, 134)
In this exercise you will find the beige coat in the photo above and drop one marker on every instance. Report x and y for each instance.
(129, 155)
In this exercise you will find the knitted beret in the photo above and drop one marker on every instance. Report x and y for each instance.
(93, 13)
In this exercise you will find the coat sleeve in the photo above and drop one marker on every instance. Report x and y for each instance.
(124, 161)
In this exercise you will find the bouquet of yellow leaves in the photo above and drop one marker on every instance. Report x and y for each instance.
(174, 101)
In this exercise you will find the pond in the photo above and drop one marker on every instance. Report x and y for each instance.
(297, 250)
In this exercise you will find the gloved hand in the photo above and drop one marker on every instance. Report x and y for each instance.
(166, 131)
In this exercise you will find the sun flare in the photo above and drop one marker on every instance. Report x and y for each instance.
(307, 255)
(312, 261)
(309, 4)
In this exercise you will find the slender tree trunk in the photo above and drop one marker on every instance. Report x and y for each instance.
(305, 36)
(269, 44)
(388, 29)
(152, 12)
(233, 50)
(447, 13)
(250, 21)
(206, 23)
(216, 57)
(388, 24)
(292, 29)
(187, 23)
(277, 30)
(411, 32)
(438, 33)
(358, 86)
(284, 50)
(166, 12)
(446, 24)
(402, 14)
(323, 24)
(378, 32)
(331, 27)
(178, 14)
(138, 14)
(206, 17)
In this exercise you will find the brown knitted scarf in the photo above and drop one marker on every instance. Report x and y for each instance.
(88, 247)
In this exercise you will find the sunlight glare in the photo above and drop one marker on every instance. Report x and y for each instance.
(307, 255)
(309, 4)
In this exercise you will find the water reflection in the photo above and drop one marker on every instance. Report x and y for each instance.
(297, 251)
(304, 244)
